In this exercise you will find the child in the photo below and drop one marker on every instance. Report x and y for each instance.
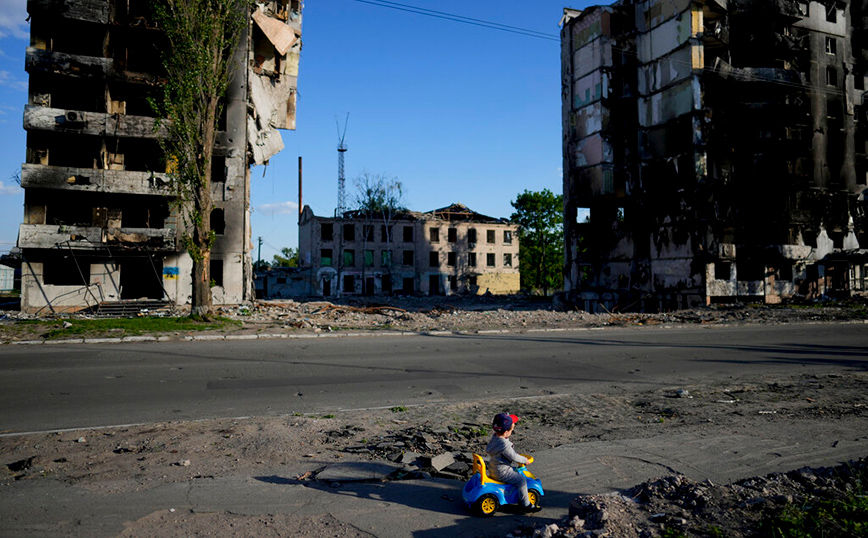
(501, 456)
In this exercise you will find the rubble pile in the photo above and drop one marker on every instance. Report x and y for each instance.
(422, 451)
(676, 506)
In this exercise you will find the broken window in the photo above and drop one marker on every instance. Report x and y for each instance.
(434, 259)
(837, 238)
(471, 236)
(409, 285)
(450, 259)
(831, 46)
(386, 258)
(218, 169)
(507, 237)
(471, 259)
(471, 281)
(349, 257)
(369, 258)
(326, 231)
(489, 236)
(349, 232)
(722, 270)
(434, 235)
(368, 233)
(325, 257)
(507, 260)
(386, 234)
(831, 76)
(216, 267)
(489, 259)
(784, 271)
(451, 235)
(831, 13)
(809, 238)
(453, 282)
(66, 271)
(349, 284)
(218, 221)
(407, 257)
(408, 234)
(750, 270)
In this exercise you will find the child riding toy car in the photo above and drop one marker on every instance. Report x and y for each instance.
(484, 495)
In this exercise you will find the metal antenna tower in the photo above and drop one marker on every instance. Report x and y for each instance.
(342, 181)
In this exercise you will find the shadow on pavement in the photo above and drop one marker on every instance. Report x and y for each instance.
(439, 496)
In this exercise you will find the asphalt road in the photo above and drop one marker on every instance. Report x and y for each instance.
(82, 386)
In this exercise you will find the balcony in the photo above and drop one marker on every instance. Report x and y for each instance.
(91, 123)
(50, 236)
(94, 180)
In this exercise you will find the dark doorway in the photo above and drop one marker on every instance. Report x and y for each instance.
(369, 285)
(409, 287)
(326, 288)
(434, 285)
(141, 278)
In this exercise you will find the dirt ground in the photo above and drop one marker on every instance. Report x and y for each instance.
(141, 457)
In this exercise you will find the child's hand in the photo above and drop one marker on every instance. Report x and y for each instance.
(529, 458)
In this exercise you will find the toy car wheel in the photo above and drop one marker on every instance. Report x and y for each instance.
(533, 495)
(486, 505)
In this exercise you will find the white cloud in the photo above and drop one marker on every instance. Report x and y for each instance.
(280, 208)
(13, 15)
(10, 189)
(10, 81)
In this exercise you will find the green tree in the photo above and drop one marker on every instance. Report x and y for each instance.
(201, 36)
(540, 218)
(379, 199)
(288, 257)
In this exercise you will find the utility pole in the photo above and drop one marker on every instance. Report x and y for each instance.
(259, 256)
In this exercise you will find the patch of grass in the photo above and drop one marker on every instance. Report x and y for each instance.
(328, 416)
(398, 409)
(126, 326)
(820, 518)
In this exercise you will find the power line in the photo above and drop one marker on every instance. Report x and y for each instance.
(460, 18)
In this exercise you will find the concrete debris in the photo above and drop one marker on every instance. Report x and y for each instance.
(675, 505)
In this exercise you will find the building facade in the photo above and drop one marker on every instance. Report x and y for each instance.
(99, 222)
(714, 151)
(441, 252)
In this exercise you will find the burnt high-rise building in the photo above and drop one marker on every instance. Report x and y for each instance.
(714, 151)
(100, 224)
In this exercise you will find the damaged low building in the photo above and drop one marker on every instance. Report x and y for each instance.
(714, 151)
(100, 225)
(440, 252)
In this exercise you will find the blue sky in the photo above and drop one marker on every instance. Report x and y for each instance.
(457, 112)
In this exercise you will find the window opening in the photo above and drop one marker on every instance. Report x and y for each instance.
(489, 236)
(489, 259)
(408, 234)
(325, 257)
(216, 267)
(450, 259)
(434, 259)
(407, 257)
(434, 235)
(218, 221)
(451, 235)
(507, 237)
(349, 232)
(471, 259)
(326, 231)
(349, 257)
(507, 260)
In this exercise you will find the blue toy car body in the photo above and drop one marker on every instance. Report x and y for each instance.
(484, 495)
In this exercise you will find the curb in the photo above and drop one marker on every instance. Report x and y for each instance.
(275, 336)
(284, 336)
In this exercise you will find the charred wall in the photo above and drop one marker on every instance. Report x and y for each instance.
(736, 153)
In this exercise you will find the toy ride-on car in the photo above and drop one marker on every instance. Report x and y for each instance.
(484, 495)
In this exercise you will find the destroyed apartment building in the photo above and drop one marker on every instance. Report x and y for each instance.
(714, 151)
(440, 252)
(99, 223)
